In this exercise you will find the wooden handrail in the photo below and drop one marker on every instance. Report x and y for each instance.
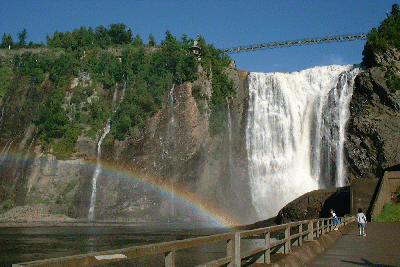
(233, 240)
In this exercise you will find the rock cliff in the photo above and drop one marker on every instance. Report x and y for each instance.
(373, 133)
(163, 170)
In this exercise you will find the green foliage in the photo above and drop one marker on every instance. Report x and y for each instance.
(152, 40)
(45, 202)
(222, 87)
(392, 81)
(197, 93)
(390, 213)
(99, 112)
(22, 38)
(66, 144)
(8, 204)
(395, 9)
(5, 78)
(147, 72)
(54, 127)
(379, 39)
(29, 64)
(82, 37)
(6, 41)
(118, 35)
(137, 41)
(107, 69)
(62, 68)
(70, 186)
(397, 192)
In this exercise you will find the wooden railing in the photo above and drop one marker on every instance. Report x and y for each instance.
(276, 239)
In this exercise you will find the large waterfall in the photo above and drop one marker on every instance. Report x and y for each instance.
(295, 133)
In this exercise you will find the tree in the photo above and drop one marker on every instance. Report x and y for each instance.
(102, 37)
(21, 37)
(6, 41)
(395, 9)
(137, 41)
(56, 40)
(89, 37)
(152, 41)
(69, 42)
(118, 35)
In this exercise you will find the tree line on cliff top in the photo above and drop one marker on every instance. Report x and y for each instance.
(379, 39)
(112, 58)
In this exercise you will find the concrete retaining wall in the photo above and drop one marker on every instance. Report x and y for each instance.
(389, 184)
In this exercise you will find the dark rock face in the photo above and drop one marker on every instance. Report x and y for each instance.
(316, 204)
(374, 124)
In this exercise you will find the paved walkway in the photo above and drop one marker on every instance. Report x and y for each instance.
(381, 247)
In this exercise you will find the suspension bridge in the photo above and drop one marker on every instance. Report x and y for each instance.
(341, 38)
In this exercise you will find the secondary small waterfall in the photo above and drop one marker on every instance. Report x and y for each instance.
(295, 133)
(91, 215)
(171, 146)
(4, 152)
(97, 171)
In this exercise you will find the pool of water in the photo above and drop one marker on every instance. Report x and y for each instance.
(23, 244)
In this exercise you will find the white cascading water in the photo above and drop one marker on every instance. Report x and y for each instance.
(5, 150)
(295, 133)
(172, 138)
(91, 214)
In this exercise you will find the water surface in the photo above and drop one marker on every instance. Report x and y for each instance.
(23, 244)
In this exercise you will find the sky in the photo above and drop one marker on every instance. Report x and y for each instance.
(225, 24)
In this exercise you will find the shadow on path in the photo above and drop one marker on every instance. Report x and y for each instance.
(367, 263)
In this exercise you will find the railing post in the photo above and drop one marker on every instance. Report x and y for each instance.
(266, 257)
(300, 242)
(267, 253)
(233, 250)
(170, 257)
(287, 238)
(310, 227)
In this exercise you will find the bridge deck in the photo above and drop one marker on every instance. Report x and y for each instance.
(381, 247)
(296, 42)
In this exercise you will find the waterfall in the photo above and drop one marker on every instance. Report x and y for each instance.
(97, 171)
(229, 119)
(231, 163)
(171, 135)
(5, 150)
(295, 133)
(171, 124)
(91, 215)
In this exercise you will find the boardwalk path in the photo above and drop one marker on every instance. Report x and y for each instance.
(381, 247)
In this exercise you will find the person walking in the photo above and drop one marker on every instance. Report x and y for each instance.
(335, 219)
(362, 220)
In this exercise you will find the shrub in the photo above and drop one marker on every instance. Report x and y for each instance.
(8, 204)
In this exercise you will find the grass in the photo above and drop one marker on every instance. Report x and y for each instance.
(390, 213)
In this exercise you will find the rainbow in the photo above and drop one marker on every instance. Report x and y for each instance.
(180, 194)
